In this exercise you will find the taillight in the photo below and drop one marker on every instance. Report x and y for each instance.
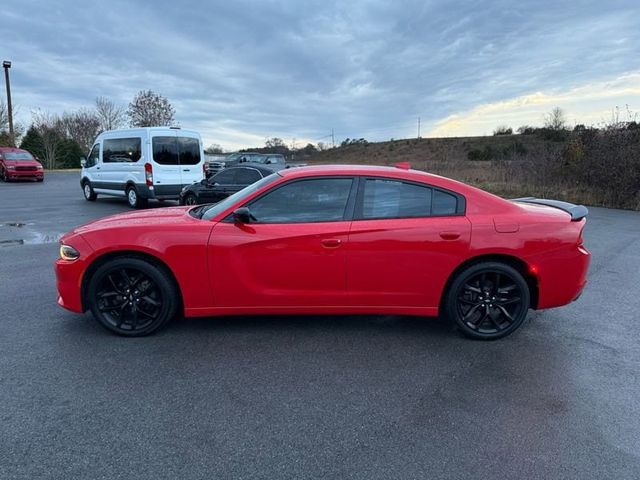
(148, 174)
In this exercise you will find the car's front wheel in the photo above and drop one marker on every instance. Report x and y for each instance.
(131, 296)
(87, 190)
(190, 199)
(488, 300)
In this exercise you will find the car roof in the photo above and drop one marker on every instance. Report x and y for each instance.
(255, 166)
(13, 149)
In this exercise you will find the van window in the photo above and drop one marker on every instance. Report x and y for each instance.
(121, 150)
(189, 149)
(176, 150)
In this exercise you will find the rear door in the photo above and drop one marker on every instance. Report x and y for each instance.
(405, 240)
(190, 158)
(167, 177)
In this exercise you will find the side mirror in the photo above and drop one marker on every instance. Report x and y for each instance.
(243, 215)
(83, 162)
(269, 162)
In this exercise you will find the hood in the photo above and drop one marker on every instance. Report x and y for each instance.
(154, 216)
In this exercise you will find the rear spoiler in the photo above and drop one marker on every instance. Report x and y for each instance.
(577, 212)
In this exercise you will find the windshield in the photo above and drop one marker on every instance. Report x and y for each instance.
(211, 211)
(18, 156)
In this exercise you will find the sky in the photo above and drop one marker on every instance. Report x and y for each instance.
(243, 71)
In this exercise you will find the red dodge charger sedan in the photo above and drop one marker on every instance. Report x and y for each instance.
(331, 240)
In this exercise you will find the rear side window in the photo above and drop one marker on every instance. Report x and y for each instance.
(121, 150)
(444, 203)
(225, 177)
(176, 150)
(304, 201)
(394, 199)
(246, 176)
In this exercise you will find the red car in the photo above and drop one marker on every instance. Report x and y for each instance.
(331, 240)
(19, 164)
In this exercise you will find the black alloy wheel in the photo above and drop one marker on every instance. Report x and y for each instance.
(488, 300)
(132, 297)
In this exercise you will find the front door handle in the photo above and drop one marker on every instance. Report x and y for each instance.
(449, 235)
(331, 242)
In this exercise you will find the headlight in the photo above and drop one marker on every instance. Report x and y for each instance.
(39, 167)
(184, 189)
(10, 167)
(67, 252)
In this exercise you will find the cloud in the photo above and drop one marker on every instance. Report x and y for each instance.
(590, 104)
(245, 70)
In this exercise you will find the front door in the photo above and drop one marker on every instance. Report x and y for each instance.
(292, 255)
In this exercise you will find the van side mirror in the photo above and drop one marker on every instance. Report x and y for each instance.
(243, 215)
(83, 162)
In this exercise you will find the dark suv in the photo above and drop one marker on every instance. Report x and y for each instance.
(235, 159)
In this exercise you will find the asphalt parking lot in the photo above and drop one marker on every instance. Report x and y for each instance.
(311, 397)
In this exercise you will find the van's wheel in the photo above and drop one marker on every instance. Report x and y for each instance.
(132, 297)
(89, 194)
(488, 300)
(134, 199)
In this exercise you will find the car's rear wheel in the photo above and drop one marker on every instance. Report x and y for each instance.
(133, 199)
(87, 190)
(488, 300)
(132, 297)
(190, 199)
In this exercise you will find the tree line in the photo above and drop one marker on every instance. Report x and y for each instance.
(60, 140)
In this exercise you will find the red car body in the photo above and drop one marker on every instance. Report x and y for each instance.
(18, 164)
(390, 266)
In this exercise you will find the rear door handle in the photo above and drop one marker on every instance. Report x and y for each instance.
(331, 242)
(449, 235)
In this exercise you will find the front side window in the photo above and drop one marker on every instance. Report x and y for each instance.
(93, 156)
(121, 150)
(304, 201)
(226, 177)
(395, 199)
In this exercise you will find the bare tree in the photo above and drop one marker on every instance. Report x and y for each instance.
(82, 126)
(214, 149)
(110, 114)
(51, 129)
(150, 109)
(555, 120)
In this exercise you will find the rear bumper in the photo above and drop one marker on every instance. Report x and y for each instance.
(562, 276)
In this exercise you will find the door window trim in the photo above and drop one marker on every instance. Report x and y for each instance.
(461, 202)
(348, 210)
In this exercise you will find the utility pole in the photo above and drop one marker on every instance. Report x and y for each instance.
(418, 127)
(333, 139)
(7, 65)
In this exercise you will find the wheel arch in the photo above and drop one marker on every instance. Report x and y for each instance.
(520, 265)
(106, 257)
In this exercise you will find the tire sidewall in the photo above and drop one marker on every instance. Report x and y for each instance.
(463, 276)
(165, 285)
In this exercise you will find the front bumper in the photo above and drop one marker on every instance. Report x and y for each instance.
(69, 275)
(24, 174)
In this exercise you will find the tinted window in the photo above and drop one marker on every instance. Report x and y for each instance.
(395, 199)
(444, 203)
(318, 200)
(189, 149)
(246, 176)
(121, 150)
(93, 156)
(165, 150)
(226, 177)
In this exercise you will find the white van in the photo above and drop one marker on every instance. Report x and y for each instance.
(143, 163)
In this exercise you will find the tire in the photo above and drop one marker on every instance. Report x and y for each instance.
(87, 190)
(40, 180)
(133, 199)
(5, 178)
(132, 297)
(488, 300)
(190, 199)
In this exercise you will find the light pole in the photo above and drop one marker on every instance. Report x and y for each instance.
(7, 65)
